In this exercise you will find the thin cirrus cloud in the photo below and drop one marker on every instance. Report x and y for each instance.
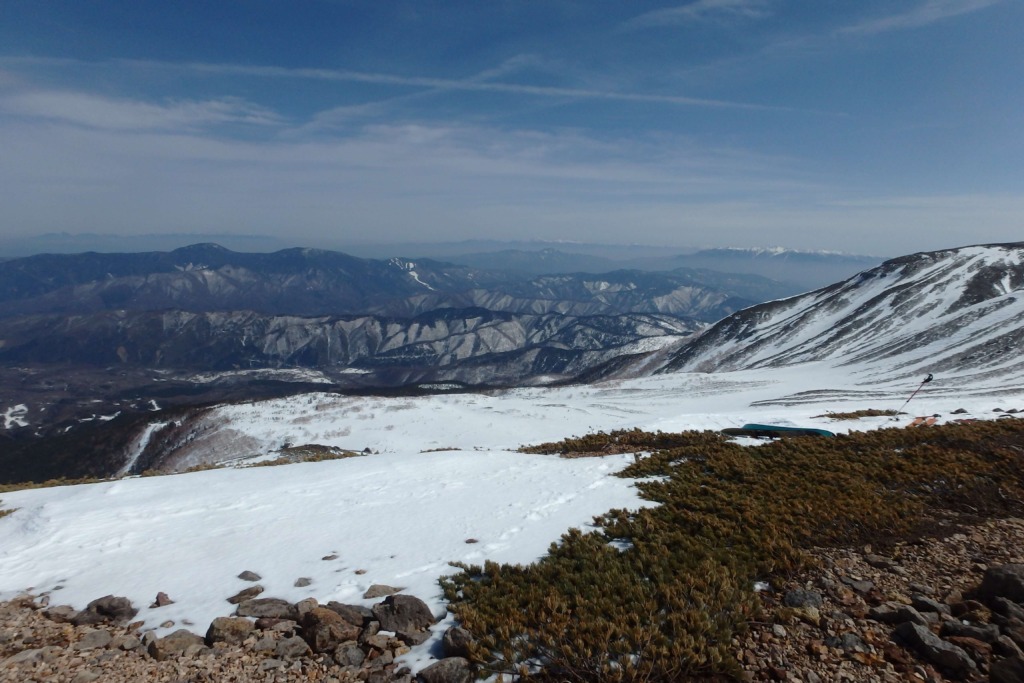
(928, 12)
(698, 11)
(93, 111)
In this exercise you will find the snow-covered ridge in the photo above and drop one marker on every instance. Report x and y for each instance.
(953, 311)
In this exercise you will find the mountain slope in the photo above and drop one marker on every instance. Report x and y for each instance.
(958, 310)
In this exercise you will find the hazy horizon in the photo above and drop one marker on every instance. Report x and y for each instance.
(881, 127)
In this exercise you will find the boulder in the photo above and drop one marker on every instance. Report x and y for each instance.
(379, 590)
(106, 610)
(935, 650)
(230, 630)
(173, 645)
(267, 607)
(895, 613)
(1007, 608)
(245, 594)
(249, 576)
(1006, 581)
(1010, 670)
(290, 648)
(325, 630)
(923, 603)
(404, 613)
(349, 654)
(456, 642)
(357, 615)
(448, 670)
(162, 600)
(61, 614)
(986, 633)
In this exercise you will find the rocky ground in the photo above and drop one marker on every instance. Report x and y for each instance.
(935, 609)
(945, 607)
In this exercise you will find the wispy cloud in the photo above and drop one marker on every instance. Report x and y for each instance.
(700, 10)
(107, 113)
(924, 14)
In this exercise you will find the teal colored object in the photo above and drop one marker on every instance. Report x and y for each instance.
(774, 431)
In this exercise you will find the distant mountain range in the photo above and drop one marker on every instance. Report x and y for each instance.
(90, 343)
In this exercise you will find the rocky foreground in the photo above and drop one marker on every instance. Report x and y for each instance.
(949, 607)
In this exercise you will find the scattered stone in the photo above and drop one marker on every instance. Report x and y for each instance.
(303, 582)
(895, 613)
(85, 676)
(162, 600)
(245, 594)
(230, 630)
(456, 642)
(847, 641)
(173, 645)
(332, 556)
(1005, 647)
(879, 562)
(413, 638)
(293, 647)
(106, 610)
(472, 540)
(859, 585)
(935, 650)
(303, 606)
(357, 615)
(404, 613)
(61, 614)
(925, 604)
(349, 654)
(986, 633)
(92, 640)
(325, 630)
(379, 590)
(268, 607)
(249, 576)
(1007, 608)
(125, 642)
(448, 670)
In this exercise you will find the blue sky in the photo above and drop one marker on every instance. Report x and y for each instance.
(879, 126)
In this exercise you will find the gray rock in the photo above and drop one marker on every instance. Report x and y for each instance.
(92, 640)
(448, 670)
(1010, 670)
(937, 651)
(303, 581)
(85, 676)
(879, 562)
(1006, 581)
(923, 603)
(404, 613)
(24, 657)
(895, 613)
(173, 645)
(1007, 608)
(859, 585)
(125, 642)
(379, 590)
(61, 614)
(357, 615)
(986, 633)
(413, 638)
(249, 576)
(847, 641)
(800, 598)
(270, 664)
(106, 610)
(230, 630)
(324, 629)
(291, 648)
(1005, 647)
(245, 594)
(349, 654)
(268, 607)
(456, 642)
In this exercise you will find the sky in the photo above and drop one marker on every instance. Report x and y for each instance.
(878, 126)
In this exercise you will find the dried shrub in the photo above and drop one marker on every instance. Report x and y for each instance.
(667, 607)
